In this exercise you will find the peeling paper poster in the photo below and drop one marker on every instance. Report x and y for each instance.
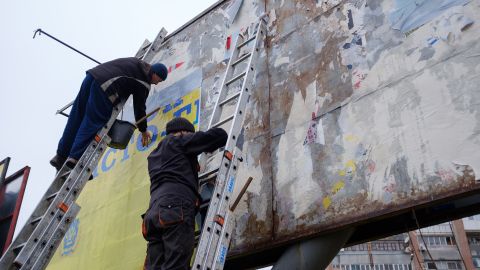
(315, 133)
(233, 9)
(452, 23)
(411, 14)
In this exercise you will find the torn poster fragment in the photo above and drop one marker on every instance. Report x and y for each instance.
(315, 133)
(411, 14)
(452, 23)
(233, 9)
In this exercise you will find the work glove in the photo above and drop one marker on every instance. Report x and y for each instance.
(146, 138)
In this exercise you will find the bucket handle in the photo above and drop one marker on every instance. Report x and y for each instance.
(146, 116)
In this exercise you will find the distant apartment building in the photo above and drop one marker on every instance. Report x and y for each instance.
(453, 245)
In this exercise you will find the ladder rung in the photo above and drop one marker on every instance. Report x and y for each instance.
(206, 174)
(40, 242)
(204, 204)
(36, 220)
(197, 239)
(246, 41)
(19, 247)
(223, 121)
(65, 174)
(236, 78)
(51, 196)
(228, 99)
(243, 57)
(206, 180)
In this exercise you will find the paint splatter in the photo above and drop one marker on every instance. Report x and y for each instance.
(175, 67)
(351, 165)
(315, 132)
(337, 187)
(350, 19)
(327, 202)
(311, 133)
(357, 78)
(351, 138)
(431, 41)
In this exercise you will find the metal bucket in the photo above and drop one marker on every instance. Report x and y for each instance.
(120, 133)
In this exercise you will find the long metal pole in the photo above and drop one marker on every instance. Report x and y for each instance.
(40, 31)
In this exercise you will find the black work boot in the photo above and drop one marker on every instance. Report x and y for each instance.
(71, 163)
(57, 161)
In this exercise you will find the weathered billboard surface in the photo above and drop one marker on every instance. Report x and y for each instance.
(362, 109)
(365, 114)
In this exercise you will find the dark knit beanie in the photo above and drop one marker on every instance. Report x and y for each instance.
(179, 124)
(161, 70)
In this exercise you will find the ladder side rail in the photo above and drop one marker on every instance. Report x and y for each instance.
(216, 239)
(222, 206)
(235, 127)
(66, 198)
(35, 241)
(217, 109)
(227, 230)
(216, 113)
(85, 168)
(224, 243)
(44, 227)
(42, 259)
(39, 211)
(30, 233)
(207, 229)
(218, 204)
(30, 225)
(244, 97)
(237, 122)
(222, 94)
(54, 237)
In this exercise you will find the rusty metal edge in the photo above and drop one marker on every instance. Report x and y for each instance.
(379, 215)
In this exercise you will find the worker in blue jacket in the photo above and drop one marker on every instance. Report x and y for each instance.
(169, 224)
(105, 86)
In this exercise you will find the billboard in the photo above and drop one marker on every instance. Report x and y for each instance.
(364, 115)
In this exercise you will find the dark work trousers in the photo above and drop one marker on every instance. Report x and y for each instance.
(90, 111)
(169, 228)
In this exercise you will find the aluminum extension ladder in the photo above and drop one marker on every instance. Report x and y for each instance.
(39, 238)
(219, 223)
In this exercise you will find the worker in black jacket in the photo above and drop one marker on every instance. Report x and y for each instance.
(169, 223)
(105, 86)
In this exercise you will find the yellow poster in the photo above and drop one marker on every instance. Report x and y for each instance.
(107, 232)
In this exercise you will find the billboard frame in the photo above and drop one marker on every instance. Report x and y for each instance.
(24, 173)
(3, 173)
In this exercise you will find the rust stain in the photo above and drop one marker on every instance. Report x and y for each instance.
(328, 82)
(339, 204)
(349, 210)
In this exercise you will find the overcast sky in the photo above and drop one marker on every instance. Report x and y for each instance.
(39, 76)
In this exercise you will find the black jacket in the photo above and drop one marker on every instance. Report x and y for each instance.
(174, 162)
(123, 77)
